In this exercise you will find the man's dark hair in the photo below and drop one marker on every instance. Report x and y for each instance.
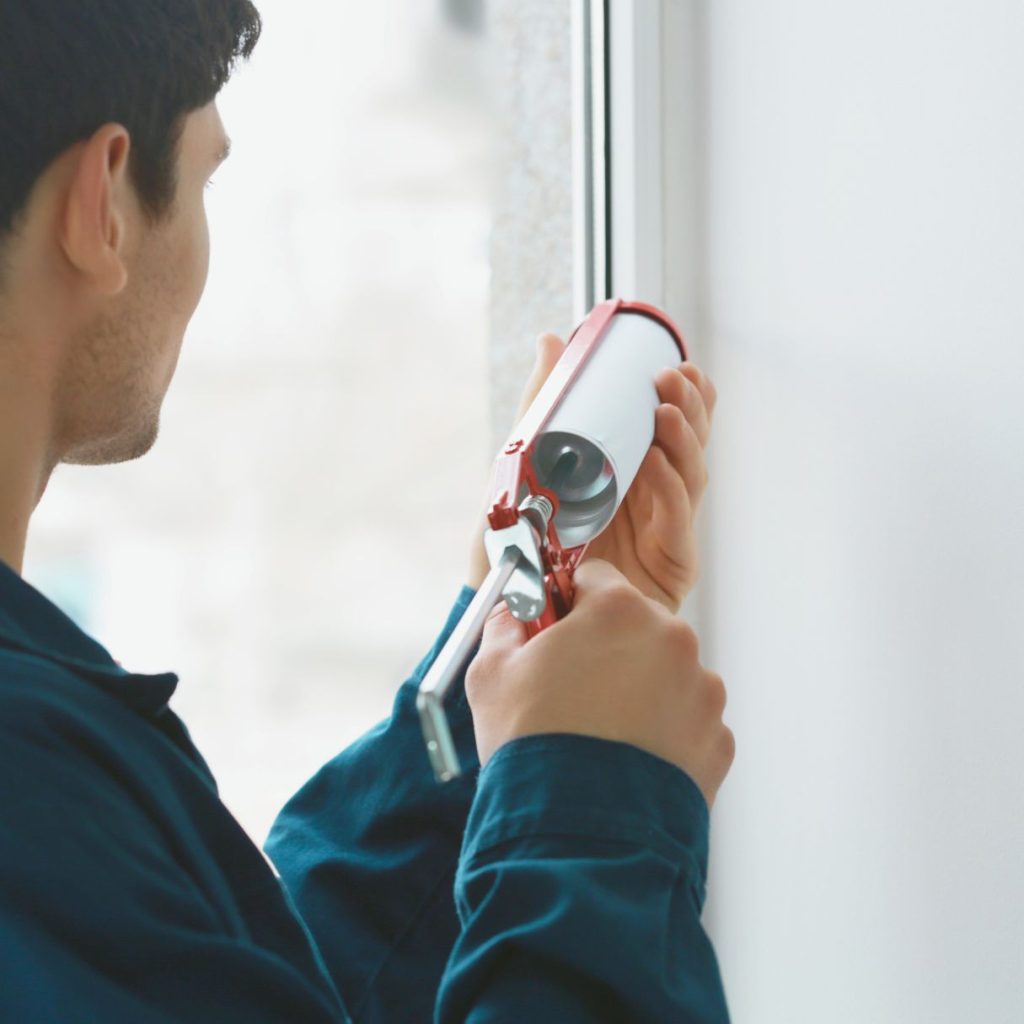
(69, 66)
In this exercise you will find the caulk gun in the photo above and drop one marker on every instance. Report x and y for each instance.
(558, 482)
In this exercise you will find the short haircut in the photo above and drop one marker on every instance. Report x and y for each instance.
(67, 67)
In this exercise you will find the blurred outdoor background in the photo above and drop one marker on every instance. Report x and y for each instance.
(293, 543)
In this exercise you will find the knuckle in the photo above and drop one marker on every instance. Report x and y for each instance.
(684, 637)
(481, 670)
(716, 692)
(727, 746)
(472, 682)
(619, 601)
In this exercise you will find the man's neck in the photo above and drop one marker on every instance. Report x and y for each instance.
(25, 459)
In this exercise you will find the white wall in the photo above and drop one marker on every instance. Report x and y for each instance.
(863, 318)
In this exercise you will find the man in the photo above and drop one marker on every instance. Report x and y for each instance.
(563, 881)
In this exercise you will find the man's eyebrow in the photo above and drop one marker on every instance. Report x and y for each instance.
(225, 151)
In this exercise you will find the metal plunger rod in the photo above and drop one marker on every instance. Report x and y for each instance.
(449, 662)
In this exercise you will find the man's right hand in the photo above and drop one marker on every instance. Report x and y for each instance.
(619, 666)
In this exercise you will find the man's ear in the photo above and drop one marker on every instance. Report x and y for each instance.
(92, 228)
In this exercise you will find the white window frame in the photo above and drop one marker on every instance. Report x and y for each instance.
(638, 224)
(617, 150)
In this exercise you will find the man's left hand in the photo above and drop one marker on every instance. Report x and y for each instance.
(651, 539)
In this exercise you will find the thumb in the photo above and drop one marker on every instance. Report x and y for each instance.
(592, 576)
(503, 632)
(550, 349)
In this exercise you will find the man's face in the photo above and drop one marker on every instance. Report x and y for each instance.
(119, 364)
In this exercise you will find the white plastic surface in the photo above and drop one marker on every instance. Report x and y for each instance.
(607, 417)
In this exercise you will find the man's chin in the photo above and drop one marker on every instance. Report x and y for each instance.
(111, 450)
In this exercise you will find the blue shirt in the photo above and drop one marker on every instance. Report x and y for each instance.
(562, 883)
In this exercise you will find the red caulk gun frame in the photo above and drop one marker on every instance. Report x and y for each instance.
(530, 569)
(514, 467)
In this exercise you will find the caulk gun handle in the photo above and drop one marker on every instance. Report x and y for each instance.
(450, 661)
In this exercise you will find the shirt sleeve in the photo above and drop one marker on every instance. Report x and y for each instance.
(99, 919)
(580, 889)
(368, 850)
(572, 892)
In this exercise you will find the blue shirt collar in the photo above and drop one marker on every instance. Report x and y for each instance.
(30, 622)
